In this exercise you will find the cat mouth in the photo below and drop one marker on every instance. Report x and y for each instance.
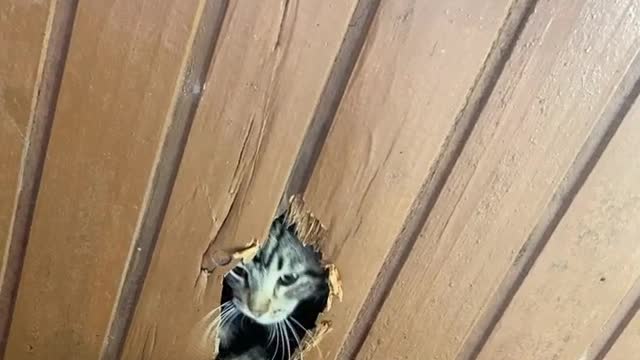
(264, 319)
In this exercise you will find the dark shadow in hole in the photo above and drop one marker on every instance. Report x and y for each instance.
(251, 334)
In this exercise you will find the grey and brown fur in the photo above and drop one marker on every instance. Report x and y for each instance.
(272, 299)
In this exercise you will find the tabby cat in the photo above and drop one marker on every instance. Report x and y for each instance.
(270, 302)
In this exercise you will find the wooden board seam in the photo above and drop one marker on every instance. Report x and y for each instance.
(55, 46)
(619, 105)
(467, 117)
(187, 93)
(618, 322)
(332, 93)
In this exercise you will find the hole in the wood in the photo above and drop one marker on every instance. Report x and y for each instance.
(272, 301)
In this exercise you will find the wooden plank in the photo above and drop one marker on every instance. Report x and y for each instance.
(268, 73)
(118, 88)
(628, 344)
(514, 161)
(590, 263)
(30, 73)
(23, 26)
(418, 65)
(22, 29)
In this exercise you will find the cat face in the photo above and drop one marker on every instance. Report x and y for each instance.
(284, 273)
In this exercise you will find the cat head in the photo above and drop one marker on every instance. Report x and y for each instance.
(284, 273)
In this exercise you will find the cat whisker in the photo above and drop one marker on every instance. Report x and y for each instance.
(230, 318)
(297, 323)
(309, 334)
(211, 328)
(286, 336)
(271, 335)
(202, 329)
(224, 318)
(277, 343)
(283, 341)
(207, 316)
(295, 336)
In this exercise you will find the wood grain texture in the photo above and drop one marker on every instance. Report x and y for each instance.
(590, 263)
(628, 344)
(115, 97)
(543, 108)
(36, 36)
(23, 26)
(419, 63)
(267, 75)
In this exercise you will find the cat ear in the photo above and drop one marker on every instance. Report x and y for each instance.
(281, 219)
(278, 225)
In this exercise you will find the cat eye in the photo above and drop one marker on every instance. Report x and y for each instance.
(240, 272)
(288, 279)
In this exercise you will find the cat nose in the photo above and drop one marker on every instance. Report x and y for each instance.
(260, 308)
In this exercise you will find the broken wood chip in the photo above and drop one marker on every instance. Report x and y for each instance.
(248, 252)
(335, 285)
(313, 338)
(309, 229)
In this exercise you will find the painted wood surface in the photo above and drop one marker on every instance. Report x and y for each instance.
(122, 68)
(401, 105)
(590, 263)
(473, 164)
(546, 103)
(258, 102)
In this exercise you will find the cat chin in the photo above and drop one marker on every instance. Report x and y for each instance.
(262, 320)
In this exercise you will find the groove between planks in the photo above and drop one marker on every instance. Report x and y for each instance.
(51, 65)
(345, 62)
(194, 70)
(467, 117)
(628, 93)
(619, 322)
(224, 188)
(586, 159)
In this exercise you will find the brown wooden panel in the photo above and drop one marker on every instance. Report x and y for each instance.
(544, 106)
(628, 344)
(116, 94)
(418, 65)
(268, 73)
(23, 25)
(590, 263)
(35, 36)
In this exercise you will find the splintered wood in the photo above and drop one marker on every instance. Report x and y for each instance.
(257, 104)
(311, 232)
(309, 229)
(469, 166)
(312, 340)
(400, 109)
